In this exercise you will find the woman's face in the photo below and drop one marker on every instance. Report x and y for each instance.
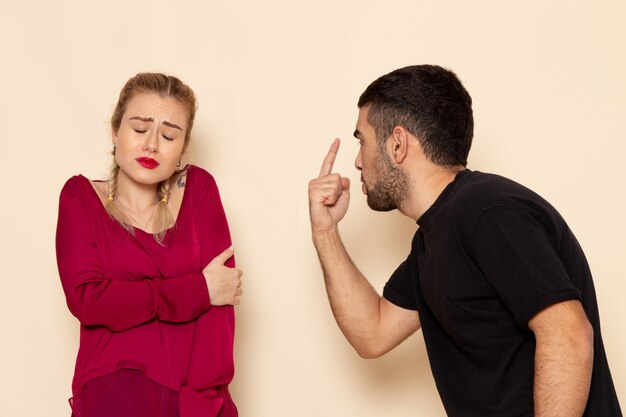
(151, 138)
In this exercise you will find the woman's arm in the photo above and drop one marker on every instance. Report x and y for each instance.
(211, 222)
(97, 300)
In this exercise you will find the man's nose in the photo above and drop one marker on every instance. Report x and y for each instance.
(358, 163)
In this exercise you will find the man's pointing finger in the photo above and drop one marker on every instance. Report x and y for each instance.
(329, 161)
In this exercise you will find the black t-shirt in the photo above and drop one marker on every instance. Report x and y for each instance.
(488, 255)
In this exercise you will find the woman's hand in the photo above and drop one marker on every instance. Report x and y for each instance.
(224, 283)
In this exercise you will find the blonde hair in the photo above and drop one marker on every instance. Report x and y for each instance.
(165, 86)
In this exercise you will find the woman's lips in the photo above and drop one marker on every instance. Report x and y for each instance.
(147, 162)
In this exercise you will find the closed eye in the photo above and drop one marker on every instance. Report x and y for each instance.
(167, 138)
(139, 131)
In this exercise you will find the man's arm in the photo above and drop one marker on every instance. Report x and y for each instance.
(372, 325)
(563, 359)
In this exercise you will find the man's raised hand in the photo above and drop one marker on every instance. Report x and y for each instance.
(329, 194)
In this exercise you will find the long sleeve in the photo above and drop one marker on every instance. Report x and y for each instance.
(211, 366)
(118, 303)
(211, 222)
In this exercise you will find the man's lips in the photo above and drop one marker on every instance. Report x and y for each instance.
(147, 162)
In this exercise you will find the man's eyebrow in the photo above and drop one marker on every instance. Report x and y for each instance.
(357, 134)
(166, 123)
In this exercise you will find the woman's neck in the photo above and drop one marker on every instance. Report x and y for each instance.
(133, 195)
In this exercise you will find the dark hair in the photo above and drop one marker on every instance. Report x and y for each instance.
(431, 103)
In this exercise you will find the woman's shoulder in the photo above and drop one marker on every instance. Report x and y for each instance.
(78, 186)
(198, 173)
(199, 178)
(74, 184)
(202, 184)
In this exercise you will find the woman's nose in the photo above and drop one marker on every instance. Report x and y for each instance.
(152, 144)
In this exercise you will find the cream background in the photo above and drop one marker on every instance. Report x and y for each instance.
(276, 81)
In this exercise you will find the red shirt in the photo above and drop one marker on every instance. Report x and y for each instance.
(145, 306)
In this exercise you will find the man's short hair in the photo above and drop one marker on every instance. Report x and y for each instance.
(428, 101)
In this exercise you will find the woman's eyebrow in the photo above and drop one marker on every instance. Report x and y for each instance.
(150, 119)
(166, 123)
(143, 119)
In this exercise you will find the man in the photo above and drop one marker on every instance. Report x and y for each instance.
(495, 279)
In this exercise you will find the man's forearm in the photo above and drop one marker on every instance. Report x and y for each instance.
(354, 302)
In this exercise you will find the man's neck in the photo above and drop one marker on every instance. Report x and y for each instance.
(426, 185)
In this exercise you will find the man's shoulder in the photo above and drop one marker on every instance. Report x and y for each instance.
(477, 192)
(487, 189)
(491, 193)
(479, 180)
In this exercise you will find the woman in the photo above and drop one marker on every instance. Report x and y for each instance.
(147, 268)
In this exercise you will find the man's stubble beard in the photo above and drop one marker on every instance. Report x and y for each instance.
(391, 187)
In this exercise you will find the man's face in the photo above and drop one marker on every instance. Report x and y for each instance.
(384, 183)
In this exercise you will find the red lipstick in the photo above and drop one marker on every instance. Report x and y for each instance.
(147, 162)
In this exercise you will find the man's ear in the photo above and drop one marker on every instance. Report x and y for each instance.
(399, 144)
